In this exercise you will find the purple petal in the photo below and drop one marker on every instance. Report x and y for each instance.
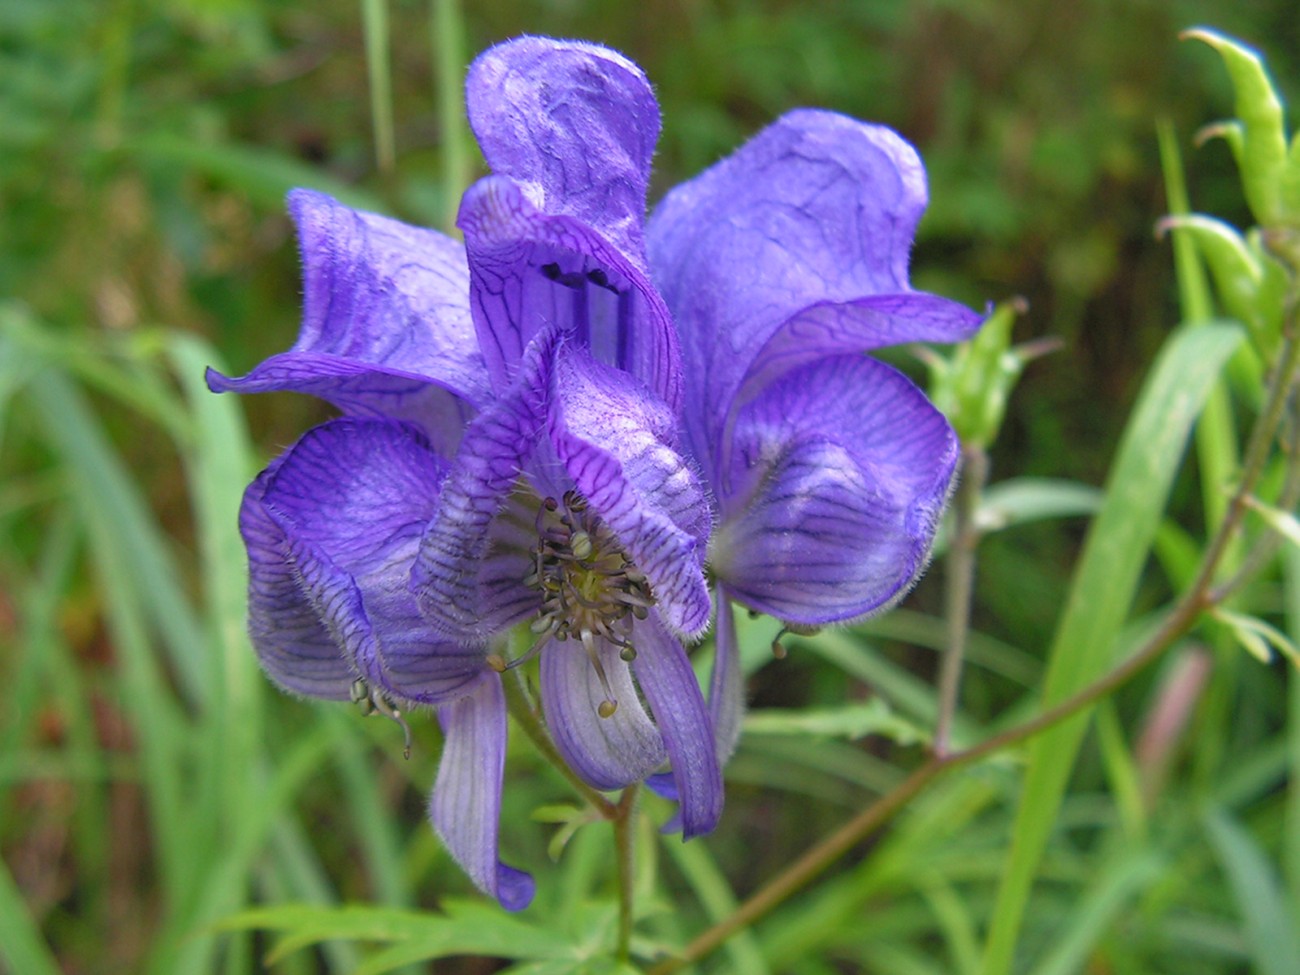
(293, 645)
(466, 803)
(468, 575)
(807, 228)
(529, 268)
(386, 326)
(332, 528)
(618, 443)
(609, 753)
(668, 682)
(576, 122)
(837, 476)
(727, 685)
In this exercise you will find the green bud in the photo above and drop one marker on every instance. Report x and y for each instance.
(973, 386)
(1270, 175)
(1240, 270)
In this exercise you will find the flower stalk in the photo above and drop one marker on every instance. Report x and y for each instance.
(960, 587)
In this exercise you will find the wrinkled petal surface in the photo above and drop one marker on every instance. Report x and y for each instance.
(807, 228)
(331, 530)
(466, 802)
(838, 474)
(386, 325)
(530, 269)
(618, 444)
(609, 753)
(665, 677)
(575, 122)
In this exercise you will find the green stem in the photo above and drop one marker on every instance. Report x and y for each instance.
(960, 588)
(525, 714)
(374, 24)
(448, 32)
(624, 830)
(1198, 598)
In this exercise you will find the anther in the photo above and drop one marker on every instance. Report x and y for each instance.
(607, 708)
(496, 662)
(580, 544)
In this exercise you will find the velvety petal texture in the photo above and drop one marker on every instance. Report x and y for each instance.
(577, 123)
(668, 682)
(837, 476)
(799, 240)
(332, 529)
(608, 752)
(386, 324)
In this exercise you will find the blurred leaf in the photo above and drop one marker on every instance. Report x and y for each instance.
(265, 176)
(1100, 904)
(1257, 637)
(1265, 909)
(1020, 500)
(1102, 590)
(852, 721)
(713, 891)
(462, 928)
(21, 944)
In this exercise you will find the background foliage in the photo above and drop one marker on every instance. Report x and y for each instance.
(152, 784)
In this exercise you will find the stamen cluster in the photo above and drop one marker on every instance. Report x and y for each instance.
(590, 588)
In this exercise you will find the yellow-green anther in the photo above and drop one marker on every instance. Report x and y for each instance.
(580, 545)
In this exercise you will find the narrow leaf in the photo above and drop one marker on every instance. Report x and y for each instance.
(1100, 596)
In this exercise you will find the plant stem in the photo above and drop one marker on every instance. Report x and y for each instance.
(1200, 596)
(624, 823)
(960, 587)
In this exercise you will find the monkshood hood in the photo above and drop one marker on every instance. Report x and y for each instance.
(599, 427)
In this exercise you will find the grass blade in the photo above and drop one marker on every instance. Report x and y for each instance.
(1101, 593)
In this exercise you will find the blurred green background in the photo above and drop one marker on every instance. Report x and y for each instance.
(145, 148)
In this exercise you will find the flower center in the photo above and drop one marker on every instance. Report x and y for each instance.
(590, 589)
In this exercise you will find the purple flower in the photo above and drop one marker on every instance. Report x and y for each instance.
(527, 436)
(782, 265)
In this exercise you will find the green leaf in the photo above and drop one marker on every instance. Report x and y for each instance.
(462, 928)
(1266, 913)
(21, 944)
(265, 176)
(852, 721)
(1116, 884)
(1101, 593)
(1020, 500)
(1259, 639)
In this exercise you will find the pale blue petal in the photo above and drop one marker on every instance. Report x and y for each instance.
(609, 753)
(466, 803)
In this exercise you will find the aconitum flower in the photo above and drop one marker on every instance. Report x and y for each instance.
(511, 448)
(782, 265)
